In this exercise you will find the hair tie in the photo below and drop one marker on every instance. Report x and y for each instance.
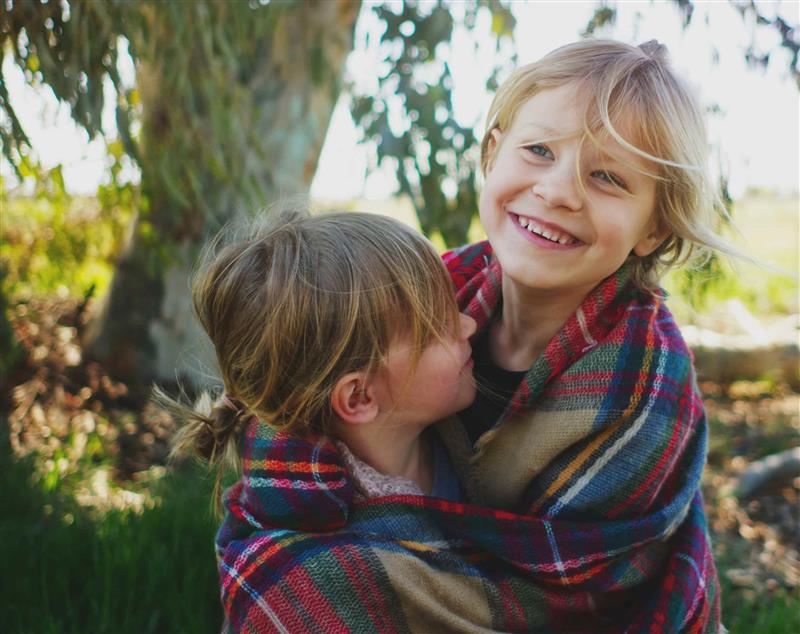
(228, 402)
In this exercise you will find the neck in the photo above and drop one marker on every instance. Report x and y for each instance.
(393, 450)
(529, 320)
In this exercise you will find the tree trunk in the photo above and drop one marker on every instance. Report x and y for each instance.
(236, 103)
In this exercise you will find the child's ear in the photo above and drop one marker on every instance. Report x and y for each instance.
(489, 150)
(651, 241)
(493, 142)
(354, 400)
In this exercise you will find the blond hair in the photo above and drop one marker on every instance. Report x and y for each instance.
(633, 88)
(297, 302)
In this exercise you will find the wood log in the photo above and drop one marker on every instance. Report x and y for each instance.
(778, 467)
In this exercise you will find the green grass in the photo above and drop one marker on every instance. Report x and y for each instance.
(154, 572)
(770, 228)
(68, 570)
(755, 430)
(65, 571)
(767, 231)
(777, 613)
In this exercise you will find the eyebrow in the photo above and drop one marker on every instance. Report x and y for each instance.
(547, 131)
(611, 161)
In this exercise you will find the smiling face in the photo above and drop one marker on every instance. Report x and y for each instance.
(562, 214)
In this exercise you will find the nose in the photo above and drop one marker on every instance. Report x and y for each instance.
(468, 326)
(558, 186)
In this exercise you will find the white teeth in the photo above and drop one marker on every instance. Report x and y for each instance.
(553, 236)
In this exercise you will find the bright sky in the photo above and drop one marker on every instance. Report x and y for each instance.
(757, 133)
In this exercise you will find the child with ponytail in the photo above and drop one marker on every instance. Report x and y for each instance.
(582, 462)
(342, 328)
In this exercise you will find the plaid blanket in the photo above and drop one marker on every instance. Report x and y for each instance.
(585, 513)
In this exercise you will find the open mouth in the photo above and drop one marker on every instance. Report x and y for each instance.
(555, 236)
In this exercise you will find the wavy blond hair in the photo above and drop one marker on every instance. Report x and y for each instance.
(633, 88)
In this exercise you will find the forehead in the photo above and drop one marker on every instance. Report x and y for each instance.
(554, 111)
(565, 112)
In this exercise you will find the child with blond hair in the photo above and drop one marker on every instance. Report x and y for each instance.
(582, 459)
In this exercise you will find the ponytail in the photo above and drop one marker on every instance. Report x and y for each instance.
(291, 303)
(208, 433)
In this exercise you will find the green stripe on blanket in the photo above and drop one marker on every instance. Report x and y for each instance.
(593, 473)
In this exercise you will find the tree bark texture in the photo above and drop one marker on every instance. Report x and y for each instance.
(236, 104)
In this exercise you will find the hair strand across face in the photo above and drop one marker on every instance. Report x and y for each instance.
(633, 96)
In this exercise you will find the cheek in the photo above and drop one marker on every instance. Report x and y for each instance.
(615, 235)
(618, 236)
(447, 373)
(484, 201)
(487, 203)
(495, 188)
(617, 244)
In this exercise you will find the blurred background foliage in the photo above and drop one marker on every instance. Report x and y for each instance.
(435, 159)
(247, 129)
(228, 111)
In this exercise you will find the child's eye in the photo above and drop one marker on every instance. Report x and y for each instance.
(609, 177)
(539, 150)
